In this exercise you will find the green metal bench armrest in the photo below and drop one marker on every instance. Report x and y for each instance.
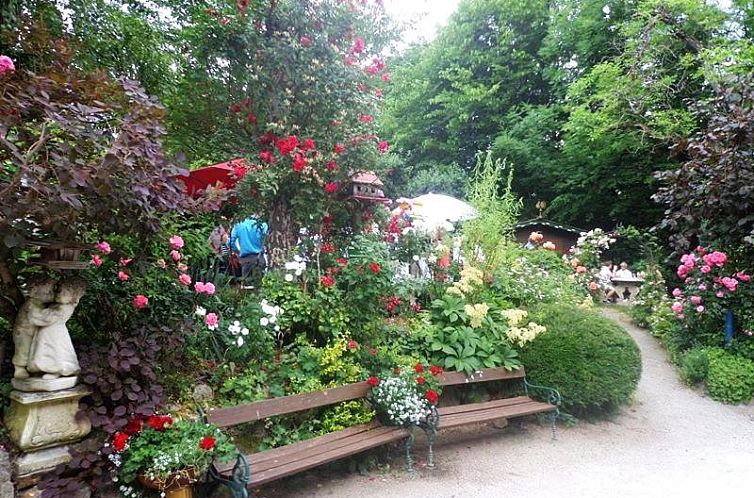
(553, 396)
(238, 479)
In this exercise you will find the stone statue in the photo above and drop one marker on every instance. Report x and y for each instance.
(40, 294)
(43, 345)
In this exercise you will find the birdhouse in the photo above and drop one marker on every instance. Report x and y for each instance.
(367, 187)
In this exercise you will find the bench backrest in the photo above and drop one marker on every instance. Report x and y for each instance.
(260, 410)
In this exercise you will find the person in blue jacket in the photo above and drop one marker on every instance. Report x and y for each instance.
(247, 241)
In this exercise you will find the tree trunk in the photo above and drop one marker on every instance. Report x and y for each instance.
(282, 234)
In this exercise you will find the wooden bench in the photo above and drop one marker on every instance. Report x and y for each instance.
(259, 468)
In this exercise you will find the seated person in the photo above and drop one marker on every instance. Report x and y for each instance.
(624, 272)
(605, 280)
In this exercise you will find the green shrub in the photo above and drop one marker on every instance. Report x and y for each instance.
(591, 360)
(694, 366)
(730, 378)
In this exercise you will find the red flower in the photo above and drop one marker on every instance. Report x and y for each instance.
(239, 171)
(418, 368)
(416, 307)
(120, 440)
(251, 118)
(383, 146)
(287, 145)
(133, 426)
(352, 344)
(267, 156)
(342, 261)
(332, 165)
(374, 267)
(331, 187)
(327, 281)
(299, 163)
(207, 443)
(266, 138)
(235, 108)
(339, 148)
(366, 118)
(328, 248)
(140, 302)
(159, 422)
(435, 370)
(373, 381)
(432, 396)
(358, 45)
(386, 77)
(373, 351)
(308, 144)
(421, 380)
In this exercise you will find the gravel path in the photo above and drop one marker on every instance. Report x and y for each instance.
(671, 441)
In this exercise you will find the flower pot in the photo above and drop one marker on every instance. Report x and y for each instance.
(178, 485)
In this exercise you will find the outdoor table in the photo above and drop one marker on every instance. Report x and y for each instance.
(627, 288)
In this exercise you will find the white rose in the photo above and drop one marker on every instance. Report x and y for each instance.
(263, 321)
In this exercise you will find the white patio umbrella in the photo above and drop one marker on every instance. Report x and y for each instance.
(438, 210)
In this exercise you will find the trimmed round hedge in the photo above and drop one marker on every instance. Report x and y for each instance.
(591, 360)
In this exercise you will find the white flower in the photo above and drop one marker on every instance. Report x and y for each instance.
(415, 258)
(200, 311)
(264, 321)
(297, 258)
(273, 318)
(277, 328)
(244, 331)
(239, 341)
(288, 277)
(235, 328)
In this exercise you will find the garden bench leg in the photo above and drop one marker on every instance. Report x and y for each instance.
(239, 478)
(430, 429)
(409, 442)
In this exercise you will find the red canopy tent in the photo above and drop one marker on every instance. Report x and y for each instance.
(220, 175)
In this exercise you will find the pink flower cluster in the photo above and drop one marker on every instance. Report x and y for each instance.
(204, 288)
(6, 65)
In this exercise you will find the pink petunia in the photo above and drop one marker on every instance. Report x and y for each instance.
(176, 242)
(103, 247)
(140, 302)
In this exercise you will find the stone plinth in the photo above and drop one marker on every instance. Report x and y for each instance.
(35, 384)
(42, 420)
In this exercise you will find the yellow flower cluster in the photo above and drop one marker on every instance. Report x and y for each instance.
(470, 277)
(476, 313)
(514, 316)
(523, 335)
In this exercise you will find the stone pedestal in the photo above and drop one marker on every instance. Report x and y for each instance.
(42, 424)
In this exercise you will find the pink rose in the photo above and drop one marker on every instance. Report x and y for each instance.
(701, 250)
(176, 242)
(702, 287)
(682, 271)
(211, 320)
(720, 294)
(715, 258)
(123, 276)
(677, 307)
(140, 302)
(6, 65)
(383, 146)
(677, 292)
(182, 267)
(96, 260)
(125, 261)
(729, 283)
(743, 277)
(209, 288)
(200, 287)
(688, 260)
(184, 279)
(175, 255)
(103, 247)
(705, 269)
(700, 309)
(696, 300)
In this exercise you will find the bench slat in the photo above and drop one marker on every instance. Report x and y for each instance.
(259, 410)
(259, 478)
(471, 407)
(489, 374)
(261, 462)
(513, 411)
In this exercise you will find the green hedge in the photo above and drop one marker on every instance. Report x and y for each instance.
(591, 360)
(730, 378)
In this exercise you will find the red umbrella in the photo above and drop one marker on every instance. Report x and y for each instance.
(220, 175)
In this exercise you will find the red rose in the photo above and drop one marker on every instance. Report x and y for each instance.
(299, 163)
(120, 441)
(287, 145)
(327, 281)
(159, 422)
(331, 187)
(339, 148)
(432, 396)
(207, 443)
(435, 370)
(418, 368)
(373, 381)
(352, 344)
(332, 166)
(133, 426)
(421, 380)
(309, 144)
(374, 267)
(267, 156)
